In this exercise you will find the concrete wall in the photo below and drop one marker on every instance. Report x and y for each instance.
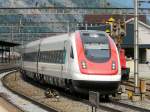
(148, 55)
(144, 35)
(144, 69)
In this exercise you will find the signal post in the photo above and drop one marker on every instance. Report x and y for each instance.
(118, 32)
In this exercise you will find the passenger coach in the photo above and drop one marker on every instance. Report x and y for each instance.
(78, 61)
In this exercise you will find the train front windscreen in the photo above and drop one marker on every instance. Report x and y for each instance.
(96, 47)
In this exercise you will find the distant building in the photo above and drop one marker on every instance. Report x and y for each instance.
(128, 41)
(102, 18)
(144, 41)
(98, 22)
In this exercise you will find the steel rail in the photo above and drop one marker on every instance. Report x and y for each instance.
(136, 108)
(103, 107)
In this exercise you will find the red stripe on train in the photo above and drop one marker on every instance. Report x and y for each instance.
(104, 68)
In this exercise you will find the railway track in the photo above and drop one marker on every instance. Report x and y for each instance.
(121, 107)
(3, 95)
(116, 106)
(45, 107)
(7, 68)
(63, 105)
(132, 107)
(130, 86)
(19, 102)
(112, 106)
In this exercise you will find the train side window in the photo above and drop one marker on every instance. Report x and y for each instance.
(60, 59)
(64, 56)
(71, 53)
(50, 56)
(55, 57)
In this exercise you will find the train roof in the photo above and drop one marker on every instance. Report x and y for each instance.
(48, 39)
(64, 35)
(91, 31)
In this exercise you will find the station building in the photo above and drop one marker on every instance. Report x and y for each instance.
(144, 41)
(128, 41)
(144, 47)
(6, 56)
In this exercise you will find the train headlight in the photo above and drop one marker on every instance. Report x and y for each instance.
(113, 65)
(84, 66)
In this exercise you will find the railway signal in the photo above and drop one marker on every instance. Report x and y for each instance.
(122, 29)
(114, 29)
(117, 30)
(109, 23)
(108, 29)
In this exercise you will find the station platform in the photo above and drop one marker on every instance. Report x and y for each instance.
(7, 107)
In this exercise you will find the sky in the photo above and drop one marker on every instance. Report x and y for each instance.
(121, 3)
(128, 3)
(115, 3)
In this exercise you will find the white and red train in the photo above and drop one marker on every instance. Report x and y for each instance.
(81, 61)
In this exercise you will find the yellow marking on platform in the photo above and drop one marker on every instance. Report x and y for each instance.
(130, 94)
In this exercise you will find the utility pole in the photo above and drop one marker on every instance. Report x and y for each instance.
(20, 22)
(136, 48)
(12, 40)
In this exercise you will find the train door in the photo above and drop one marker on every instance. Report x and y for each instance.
(66, 60)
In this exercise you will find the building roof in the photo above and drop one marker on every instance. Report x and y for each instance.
(8, 44)
(131, 46)
(103, 18)
(144, 38)
(140, 22)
